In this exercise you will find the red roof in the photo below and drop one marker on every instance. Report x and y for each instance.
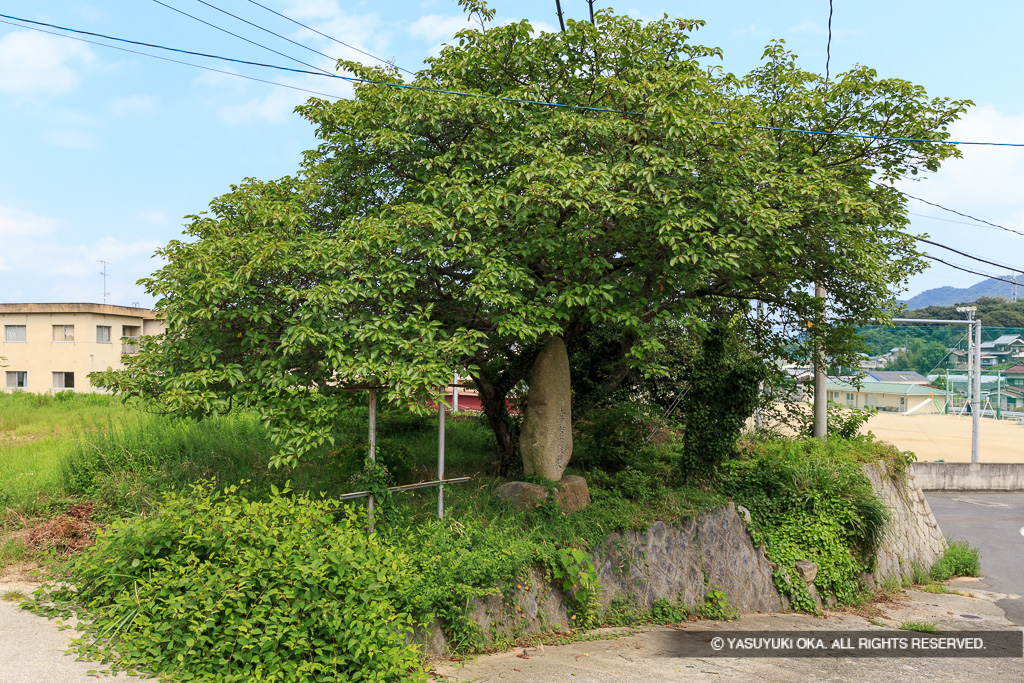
(1017, 369)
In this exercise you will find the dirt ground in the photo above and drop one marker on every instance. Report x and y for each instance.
(948, 437)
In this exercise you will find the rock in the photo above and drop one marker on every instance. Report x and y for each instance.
(808, 570)
(546, 438)
(521, 495)
(572, 494)
(744, 513)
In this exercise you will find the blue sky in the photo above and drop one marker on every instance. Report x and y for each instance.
(102, 153)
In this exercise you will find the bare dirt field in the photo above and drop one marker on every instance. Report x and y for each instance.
(948, 437)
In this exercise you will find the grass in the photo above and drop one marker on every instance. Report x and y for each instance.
(13, 596)
(919, 626)
(960, 559)
(37, 431)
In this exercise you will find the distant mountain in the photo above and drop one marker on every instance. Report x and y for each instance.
(949, 296)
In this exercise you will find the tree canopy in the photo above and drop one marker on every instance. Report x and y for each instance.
(431, 232)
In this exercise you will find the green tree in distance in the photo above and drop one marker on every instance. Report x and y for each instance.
(429, 232)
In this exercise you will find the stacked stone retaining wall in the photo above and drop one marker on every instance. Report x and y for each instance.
(682, 559)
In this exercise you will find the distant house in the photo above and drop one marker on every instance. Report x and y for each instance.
(908, 376)
(1015, 376)
(1005, 349)
(896, 397)
(53, 347)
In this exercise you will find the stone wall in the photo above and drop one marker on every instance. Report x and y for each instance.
(914, 537)
(682, 559)
(679, 560)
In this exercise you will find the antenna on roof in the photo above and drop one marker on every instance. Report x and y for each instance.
(104, 273)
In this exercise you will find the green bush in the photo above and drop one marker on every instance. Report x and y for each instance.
(809, 501)
(615, 438)
(390, 453)
(215, 587)
(959, 560)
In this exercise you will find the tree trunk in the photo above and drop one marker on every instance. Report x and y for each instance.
(495, 408)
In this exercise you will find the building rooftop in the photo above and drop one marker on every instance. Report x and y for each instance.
(899, 388)
(109, 309)
(897, 376)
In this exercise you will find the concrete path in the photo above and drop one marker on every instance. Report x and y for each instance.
(654, 654)
(32, 647)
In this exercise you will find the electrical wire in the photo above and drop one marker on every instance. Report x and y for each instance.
(267, 30)
(968, 270)
(251, 42)
(976, 258)
(175, 61)
(958, 213)
(351, 47)
(828, 45)
(513, 100)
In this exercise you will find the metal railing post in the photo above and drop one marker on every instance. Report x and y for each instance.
(373, 451)
(440, 460)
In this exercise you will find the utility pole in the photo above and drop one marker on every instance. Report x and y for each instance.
(976, 397)
(974, 377)
(561, 21)
(104, 273)
(758, 414)
(820, 376)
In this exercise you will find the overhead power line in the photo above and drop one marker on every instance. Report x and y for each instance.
(968, 270)
(459, 93)
(267, 30)
(351, 47)
(174, 61)
(964, 253)
(958, 213)
(251, 42)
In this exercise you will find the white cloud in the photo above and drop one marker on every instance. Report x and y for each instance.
(277, 104)
(36, 64)
(811, 27)
(432, 28)
(20, 223)
(986, 179)
(3, 264)
(135, 105)
(154, 217)
(312, 9)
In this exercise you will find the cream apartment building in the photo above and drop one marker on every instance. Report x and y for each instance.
(54, 347)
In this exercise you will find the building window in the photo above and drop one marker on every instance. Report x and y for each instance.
(103, 334)
(63, 380)
(849, 397)
(17, 379)
(63, 333)
(132, 333)
(14, 333)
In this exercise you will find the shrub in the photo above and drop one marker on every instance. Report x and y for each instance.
(959, 560)
(215, 587)
(615, 438)
(809, 502)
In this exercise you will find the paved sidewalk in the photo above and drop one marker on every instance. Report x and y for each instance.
(32, 647)
(652, 655)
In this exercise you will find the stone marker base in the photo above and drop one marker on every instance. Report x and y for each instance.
(572, 494)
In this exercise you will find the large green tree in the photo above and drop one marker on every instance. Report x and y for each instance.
(430, 232)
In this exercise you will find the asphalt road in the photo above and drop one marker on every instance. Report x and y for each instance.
(994, 523)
